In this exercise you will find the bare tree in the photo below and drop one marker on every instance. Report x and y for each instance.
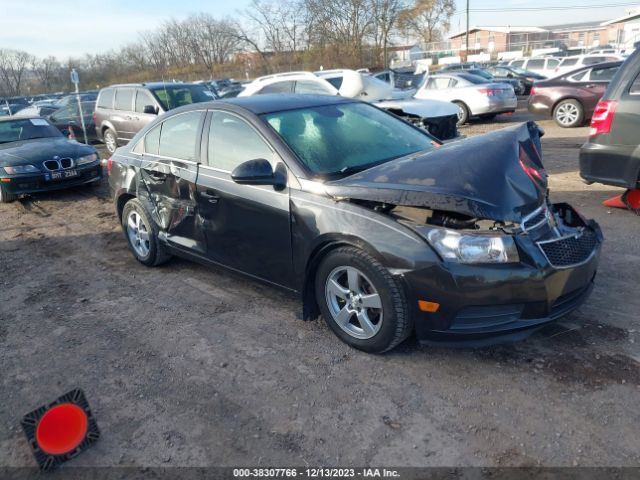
(386, 17)
(47, 71)
(428, 19)
(13, 66)
(213, 41)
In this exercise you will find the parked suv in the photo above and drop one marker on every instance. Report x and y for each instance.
(612, 152)
(122, 110)
(542, 65)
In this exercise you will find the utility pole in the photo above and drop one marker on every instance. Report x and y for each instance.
(466, 54)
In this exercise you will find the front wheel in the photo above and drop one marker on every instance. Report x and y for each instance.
(141, 233)
(361, 302)
(569, 113)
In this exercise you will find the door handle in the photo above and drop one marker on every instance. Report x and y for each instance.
(211, 196)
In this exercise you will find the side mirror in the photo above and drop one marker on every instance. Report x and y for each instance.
(258, 172)
(150, 109)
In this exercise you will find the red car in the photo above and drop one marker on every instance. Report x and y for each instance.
(571, 98)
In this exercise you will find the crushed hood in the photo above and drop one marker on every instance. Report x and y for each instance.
(483, 177)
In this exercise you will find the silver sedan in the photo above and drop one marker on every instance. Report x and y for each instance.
(474, 95)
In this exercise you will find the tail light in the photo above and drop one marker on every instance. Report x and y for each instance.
(602, 117)
(489, 92)
(109, 166)
(532, 92)
(94, 117)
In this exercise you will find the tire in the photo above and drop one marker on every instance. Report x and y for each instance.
(110, 140)
(367, 328)
(569, 113)
(463, 113)
(142, 235)
(6, 197)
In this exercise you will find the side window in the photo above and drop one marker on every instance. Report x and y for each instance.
(278, 87)
(179, 136)
(536, 64)
(106, 98)
(635, 86)
(311, 87)
(569, 62)
(452, 83)
(438, 83)
(232, 141)
(143, 98)
(335, 81)
(580, 76)
(517, 63)
(603, 74)
(152, 140)
(552, 63)
(124, 99)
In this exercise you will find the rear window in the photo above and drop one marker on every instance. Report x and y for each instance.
(603, 74)
(106, 98)
(124, 99)
(593, 60)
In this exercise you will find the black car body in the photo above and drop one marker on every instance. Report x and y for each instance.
(36, 157)
(67, 119)
(287, 221)
(505, 72)
(611, 155)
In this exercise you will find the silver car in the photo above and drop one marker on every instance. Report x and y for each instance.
(474, 96)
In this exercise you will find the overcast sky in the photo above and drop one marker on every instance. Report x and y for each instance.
(66, 28)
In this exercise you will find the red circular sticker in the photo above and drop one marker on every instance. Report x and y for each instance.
(62, 429)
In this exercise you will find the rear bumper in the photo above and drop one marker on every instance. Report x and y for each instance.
(506, 105)
(489, 304)
(21, 184)
(617, 165)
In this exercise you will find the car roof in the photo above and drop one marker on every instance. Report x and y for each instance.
(151, 84)
(270, 103)
(28, 117)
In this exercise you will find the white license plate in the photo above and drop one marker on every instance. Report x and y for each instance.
(63, 175)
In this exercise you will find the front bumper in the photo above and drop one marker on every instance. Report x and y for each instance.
(36, 182)
(488, 304)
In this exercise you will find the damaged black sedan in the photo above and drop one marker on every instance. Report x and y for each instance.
(376, 225)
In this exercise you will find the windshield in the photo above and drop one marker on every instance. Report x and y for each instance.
(26, 129)
(174, 96)
(337, 140)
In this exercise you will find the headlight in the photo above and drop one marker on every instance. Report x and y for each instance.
(21, 169)
(86, 159)
(456, 247)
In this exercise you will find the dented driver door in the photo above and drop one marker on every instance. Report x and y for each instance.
(169, 172)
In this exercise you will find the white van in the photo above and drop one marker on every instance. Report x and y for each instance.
(577, 61)
(541, 65)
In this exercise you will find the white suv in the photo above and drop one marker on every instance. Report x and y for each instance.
(543, 65)
(577, 61)
(438, 117)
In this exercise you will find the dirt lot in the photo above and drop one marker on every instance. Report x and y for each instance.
(189, 366)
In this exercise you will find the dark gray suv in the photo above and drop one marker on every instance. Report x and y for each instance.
(612, 154)
(122, 110)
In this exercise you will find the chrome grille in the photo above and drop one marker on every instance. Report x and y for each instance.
(58, 164)
(538, 217)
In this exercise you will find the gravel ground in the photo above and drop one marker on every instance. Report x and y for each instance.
(185, 365)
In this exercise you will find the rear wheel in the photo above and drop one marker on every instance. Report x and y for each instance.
(569, 113)
(463, 113)
(110, 140)
(141, 233)
(6, 197)
(361, 302)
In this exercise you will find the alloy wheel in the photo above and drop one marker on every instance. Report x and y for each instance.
(110, 142)
(138, 233)
(567, 114)
(354, 303)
